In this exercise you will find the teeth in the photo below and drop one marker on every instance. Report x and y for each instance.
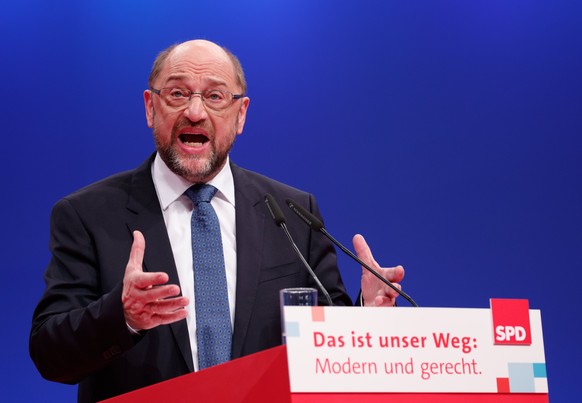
(193, 144)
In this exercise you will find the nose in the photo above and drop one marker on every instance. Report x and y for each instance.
(195, 110)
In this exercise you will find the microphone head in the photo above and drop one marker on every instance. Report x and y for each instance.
(311, 220)
(274, 209)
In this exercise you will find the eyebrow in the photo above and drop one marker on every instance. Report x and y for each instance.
(212, 80)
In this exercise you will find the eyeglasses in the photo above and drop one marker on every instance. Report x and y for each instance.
(179, 98)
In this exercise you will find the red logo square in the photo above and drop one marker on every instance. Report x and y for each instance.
(511, 321)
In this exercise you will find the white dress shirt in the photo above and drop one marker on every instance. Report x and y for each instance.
(177, 211)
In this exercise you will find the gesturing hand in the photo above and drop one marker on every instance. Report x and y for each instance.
(147, 300)
(375, 292)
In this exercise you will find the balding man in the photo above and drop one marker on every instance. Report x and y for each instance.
(118, 312)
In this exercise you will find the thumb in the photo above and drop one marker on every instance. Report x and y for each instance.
(136, 253)
(363, 250)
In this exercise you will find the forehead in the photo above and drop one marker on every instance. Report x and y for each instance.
(198, 62)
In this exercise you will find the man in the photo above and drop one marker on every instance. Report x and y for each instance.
(113, 330)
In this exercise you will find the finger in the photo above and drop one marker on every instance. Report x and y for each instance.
(147, 281)
(384, 301)
(168, 305)
(136, 253)
(140, 315)
(390, 293)
(394, 274)
(170, 317)
(160, 293)
(150, 301)
(161, 312)
(363, 250)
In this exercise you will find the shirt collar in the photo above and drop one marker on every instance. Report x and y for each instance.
(170, 186)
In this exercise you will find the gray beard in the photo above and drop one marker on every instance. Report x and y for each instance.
(176, 164)
(211, 168)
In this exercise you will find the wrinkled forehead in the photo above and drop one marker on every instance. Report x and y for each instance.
(198, 62)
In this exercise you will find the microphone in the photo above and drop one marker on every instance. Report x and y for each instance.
(317, 225)
(279, 219)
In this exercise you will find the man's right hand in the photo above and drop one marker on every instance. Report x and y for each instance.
(147, 300)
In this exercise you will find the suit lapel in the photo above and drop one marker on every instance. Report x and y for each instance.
(148, 219)
(250, 221)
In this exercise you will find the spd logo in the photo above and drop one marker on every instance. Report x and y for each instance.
(511, 321)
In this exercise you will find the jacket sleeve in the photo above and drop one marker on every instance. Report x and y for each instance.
(77, 327)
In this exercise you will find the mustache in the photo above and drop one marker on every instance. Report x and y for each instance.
(186, 123)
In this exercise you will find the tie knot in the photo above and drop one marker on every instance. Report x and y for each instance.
(201, 192)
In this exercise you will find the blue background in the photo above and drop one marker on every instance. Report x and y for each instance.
(447, 132)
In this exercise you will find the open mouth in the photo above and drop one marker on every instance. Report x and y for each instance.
(193, 140)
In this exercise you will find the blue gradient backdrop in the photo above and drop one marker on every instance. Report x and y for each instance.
(447, 132)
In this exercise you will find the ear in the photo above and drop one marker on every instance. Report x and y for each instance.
(149, 107)
(242, 115)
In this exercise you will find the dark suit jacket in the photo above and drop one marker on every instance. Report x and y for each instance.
(79, 334)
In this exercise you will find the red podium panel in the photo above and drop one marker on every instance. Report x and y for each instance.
(260, 377)
(264, 377)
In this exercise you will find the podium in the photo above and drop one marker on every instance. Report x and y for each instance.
(343, 354)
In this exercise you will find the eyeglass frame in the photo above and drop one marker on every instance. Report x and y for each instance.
(201, 94)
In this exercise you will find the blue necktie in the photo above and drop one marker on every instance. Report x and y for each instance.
(213, 328)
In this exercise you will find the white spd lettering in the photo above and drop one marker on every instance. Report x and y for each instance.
(510, 333)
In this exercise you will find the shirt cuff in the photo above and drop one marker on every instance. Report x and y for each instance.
(132, 330)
